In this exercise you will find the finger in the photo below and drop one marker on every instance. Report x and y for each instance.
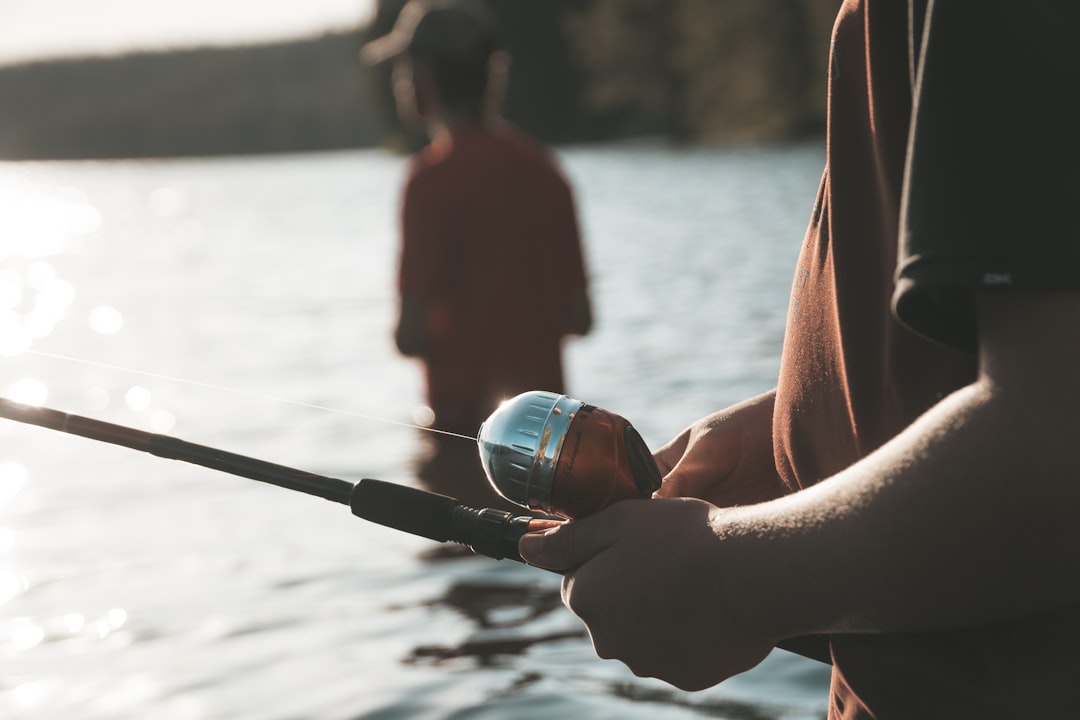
(571, 544)
(679, 487)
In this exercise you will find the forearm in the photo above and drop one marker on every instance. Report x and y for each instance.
(966, 517)
(579, 319)
(410, 334)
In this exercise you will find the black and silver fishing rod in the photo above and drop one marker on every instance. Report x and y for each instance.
(541, 450)
(487, 531)
(544, 451)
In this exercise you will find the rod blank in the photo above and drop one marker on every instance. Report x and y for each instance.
(175, 449)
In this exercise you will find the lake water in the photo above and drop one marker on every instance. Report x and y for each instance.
(247, 304)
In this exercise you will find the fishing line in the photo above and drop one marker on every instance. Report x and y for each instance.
(248, 393)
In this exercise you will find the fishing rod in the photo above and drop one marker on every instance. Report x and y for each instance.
(521, 447)
(487, 531)
(540, 450)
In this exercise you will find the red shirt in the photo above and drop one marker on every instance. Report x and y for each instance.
(490, 239)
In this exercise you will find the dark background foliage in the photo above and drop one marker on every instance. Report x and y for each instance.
(717, 71)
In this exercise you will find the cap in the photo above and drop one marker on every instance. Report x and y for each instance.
(444, 30)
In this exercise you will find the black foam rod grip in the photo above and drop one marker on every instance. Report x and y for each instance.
(404, 508)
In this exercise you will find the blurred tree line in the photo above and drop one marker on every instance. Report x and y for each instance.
(295, 96)
(707, 70)
(717, 71)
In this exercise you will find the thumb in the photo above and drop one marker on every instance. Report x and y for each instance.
(568, 545)
(677, 484)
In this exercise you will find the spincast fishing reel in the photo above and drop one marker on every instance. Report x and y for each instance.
(552, 453)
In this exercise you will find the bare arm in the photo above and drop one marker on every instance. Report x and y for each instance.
(579, 313)
(411, 332)
(966, 517)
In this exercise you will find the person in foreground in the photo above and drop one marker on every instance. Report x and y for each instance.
(909, 490)
(491, 274)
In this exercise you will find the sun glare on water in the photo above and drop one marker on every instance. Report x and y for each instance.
(29, 391)
(39, 221)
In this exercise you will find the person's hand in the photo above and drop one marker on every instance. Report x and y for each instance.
(647, 579)
(725, 458)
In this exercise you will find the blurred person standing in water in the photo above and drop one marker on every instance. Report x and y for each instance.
(491, 274)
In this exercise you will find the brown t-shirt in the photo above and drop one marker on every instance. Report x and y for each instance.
(995, 162)
(853, 375)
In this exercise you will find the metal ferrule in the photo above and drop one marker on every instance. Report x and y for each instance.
(520, 444)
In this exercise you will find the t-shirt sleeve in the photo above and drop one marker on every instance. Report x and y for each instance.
(993, 169)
